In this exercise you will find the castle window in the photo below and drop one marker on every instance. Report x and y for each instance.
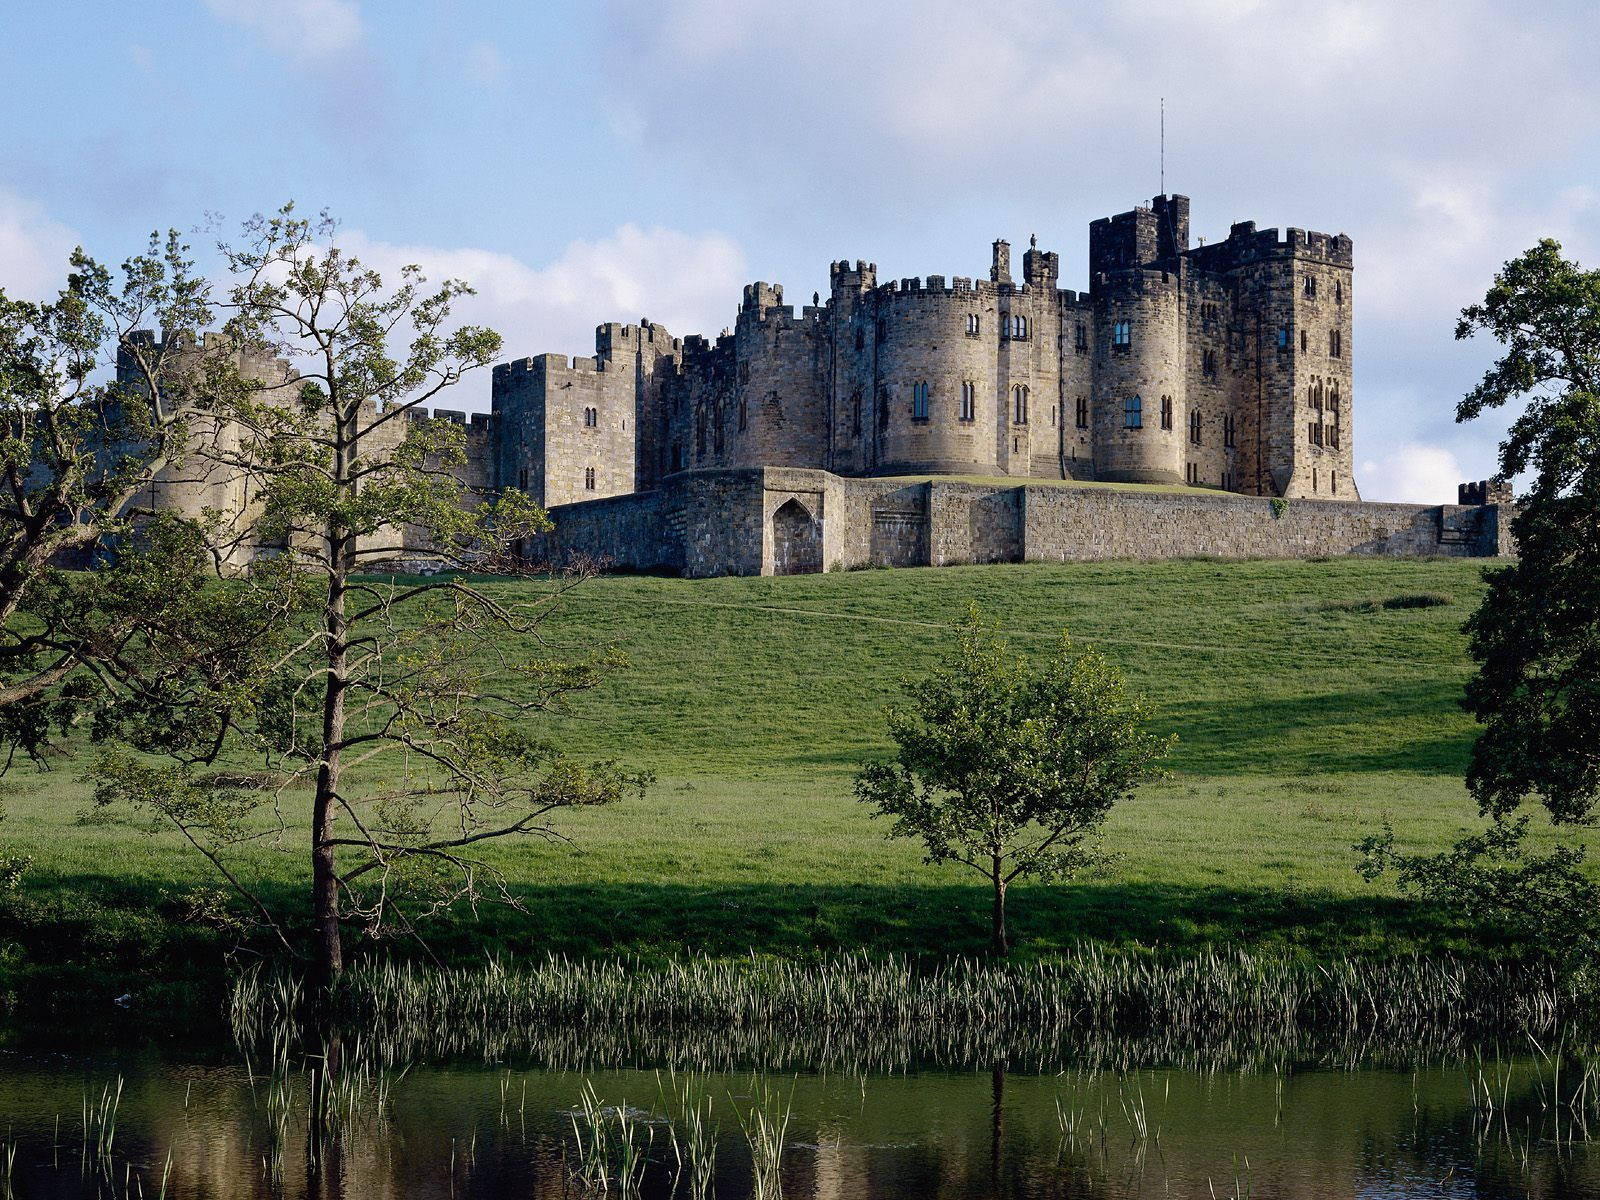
(1133, 413)
(969, 401)
(972, 324)
(744, 414)
(588, 479)
(1080, 339)
(1283, 337)
(1338, 292)
(591, 417)
(700, 437)
(1314, 432)
(1310, 288)
(1333, 482)
(855, 414)
(883, 407)
(1083, 412)
(1313, 480)
(1302, 341)
(1208, 362)
(1194, 426)
(1335, 344)
(522, 479)
(1191, 473)
(1121, 337)
(744, 372)
(860, 338)
(1052, 416)
(1019, 327)
(919, 401)
(1228, 431)
(1019, 404)
(1166, 412)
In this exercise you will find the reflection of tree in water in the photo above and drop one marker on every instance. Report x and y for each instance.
(491, 1134)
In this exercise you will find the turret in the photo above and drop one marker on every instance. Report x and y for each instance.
(1000, 271)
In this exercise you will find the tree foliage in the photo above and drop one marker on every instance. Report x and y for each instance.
(96, 412)
(372, 708)
(1010, 768)
(1536, 636)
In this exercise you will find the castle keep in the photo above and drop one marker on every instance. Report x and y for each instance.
(1225, 366)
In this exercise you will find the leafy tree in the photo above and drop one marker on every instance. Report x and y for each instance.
(1536, 635)
(92, 412)
(376, 714)
(1011, 768)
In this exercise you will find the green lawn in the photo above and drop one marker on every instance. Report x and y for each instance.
(1305, 717)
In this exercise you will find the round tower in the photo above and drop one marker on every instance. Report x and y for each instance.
(1139, 403)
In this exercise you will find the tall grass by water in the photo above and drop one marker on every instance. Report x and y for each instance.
(864, 1012)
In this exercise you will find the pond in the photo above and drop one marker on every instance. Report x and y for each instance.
(144, 1125)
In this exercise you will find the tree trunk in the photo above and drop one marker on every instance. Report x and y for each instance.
(329, 949)
(1001, 947)
(328, 955)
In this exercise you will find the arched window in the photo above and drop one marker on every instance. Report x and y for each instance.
(1019, 327)
(588, 479)
(972, 324)
(1121, 337)
(969, 401)
(1166, 412)
(1019, 405)
(1083, 412)
(1133, 413)
(855, 413)
(1194, 426)
(591, 417)
(919, 401)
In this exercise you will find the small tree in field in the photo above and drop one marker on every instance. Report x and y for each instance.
(1011, 768)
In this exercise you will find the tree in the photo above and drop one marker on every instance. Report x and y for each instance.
(92, 413)
(1536, 634)
(1011, 768)
(383, 705)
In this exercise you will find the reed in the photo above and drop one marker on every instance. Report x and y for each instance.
(859, 1012)
(765, 1124)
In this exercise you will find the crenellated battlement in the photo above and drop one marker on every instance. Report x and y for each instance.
(1245, 244)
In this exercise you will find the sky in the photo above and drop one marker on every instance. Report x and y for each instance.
(612, 160)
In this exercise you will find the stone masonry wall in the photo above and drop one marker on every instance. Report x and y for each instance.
(734, 522)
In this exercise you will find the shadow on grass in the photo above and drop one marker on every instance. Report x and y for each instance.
(109, 959)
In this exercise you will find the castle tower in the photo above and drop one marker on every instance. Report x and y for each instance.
(1139, 394)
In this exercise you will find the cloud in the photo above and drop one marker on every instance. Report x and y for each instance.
(1416, 473)
(688, 282)
(300, 29)
(33, 249)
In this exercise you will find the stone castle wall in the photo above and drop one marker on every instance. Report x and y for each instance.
(761, 521)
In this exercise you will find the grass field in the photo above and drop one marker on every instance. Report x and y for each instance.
(1307, 712)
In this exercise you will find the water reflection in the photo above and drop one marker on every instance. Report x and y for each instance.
(1471, 1128)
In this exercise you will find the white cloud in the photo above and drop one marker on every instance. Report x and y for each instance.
(1415, 473)
(302, 29)
(688, 282)
(33, 249)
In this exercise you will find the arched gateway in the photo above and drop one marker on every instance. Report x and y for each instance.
(796, 540)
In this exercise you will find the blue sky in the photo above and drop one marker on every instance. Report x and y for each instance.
(617, 160)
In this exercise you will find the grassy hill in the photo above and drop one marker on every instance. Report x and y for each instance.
(1312, 699)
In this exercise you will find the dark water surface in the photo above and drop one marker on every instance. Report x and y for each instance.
(492, 1131)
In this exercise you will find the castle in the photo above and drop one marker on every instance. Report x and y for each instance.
(1225, 366)
(941, 421)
